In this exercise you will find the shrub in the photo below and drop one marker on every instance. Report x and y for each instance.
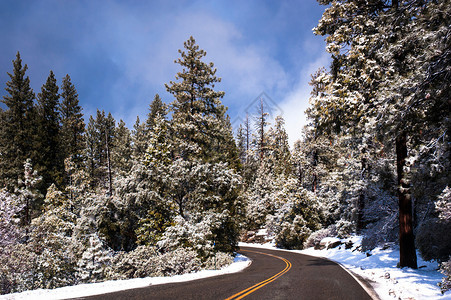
(293, 235)
(315, 238)
(145, 261)
(433, 239)
(445, 268)
(345, 228)
(218, 261)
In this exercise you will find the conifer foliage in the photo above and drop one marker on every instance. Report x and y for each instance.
(90, 203)
(18, 125)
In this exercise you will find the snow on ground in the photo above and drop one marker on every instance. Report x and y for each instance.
(380, 270)
(83, 290)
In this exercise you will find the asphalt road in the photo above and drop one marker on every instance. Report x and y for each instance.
(272, 275)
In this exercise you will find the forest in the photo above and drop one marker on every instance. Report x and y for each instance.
(89, 200)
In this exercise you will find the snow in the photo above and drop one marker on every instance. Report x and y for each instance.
(380, 270)
(84, 290)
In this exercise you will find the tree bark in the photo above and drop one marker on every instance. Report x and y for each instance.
(407, 254)
(110, 179)
(315, 175)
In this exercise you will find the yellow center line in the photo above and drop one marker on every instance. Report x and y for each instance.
(261, 284)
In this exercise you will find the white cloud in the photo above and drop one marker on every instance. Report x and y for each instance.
(147, 59)
(296, 101)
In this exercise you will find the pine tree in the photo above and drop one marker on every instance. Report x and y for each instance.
(139, 136)
(201, 128)
(385, 75)
(241, 143)
(260, 126)
(121, 155)
(92, 158)
(201, 181)
(50, 162)
(157, 107)
(278, 144)
(100, 139)
(72, 123)
(109, 135)
(17, 133)
(29, 195)
(52, 240)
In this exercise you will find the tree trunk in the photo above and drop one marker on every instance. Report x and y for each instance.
(315, 175)
(407, 254)
(110, 180)
(361, 199)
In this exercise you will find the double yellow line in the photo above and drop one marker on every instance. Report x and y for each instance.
(261, 284)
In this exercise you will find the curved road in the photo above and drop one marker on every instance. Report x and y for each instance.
(272, 275)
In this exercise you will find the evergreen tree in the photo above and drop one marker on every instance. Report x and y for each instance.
(241, 143)
(29, 195)
(201, 128)
(260, 126)
(279, 148)
(100, 138)
(157, 107)
(92, 140)
(121, 155)
(139, 136)
(385, 75)
(17, 133)
(72, 123)
(49, 161)
(52, 240)
(202, 182)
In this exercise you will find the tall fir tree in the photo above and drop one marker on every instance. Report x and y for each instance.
(49, 158)
(156, 107)
(72, 123)
(100, 142)
(17, 133)
(387, 71)
(139, 137)
(91, 141)
(261, 122)
(201, 128)
(205, 152)
(121, 155)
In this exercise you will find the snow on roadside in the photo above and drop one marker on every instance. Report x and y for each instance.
(83, 290)
(380, 270)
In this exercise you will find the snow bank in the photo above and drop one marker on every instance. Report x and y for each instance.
(379, 268)
(83, 290)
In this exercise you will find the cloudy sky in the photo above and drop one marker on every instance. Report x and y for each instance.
(119, 54)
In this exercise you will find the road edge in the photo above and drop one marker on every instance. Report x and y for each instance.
(364, 282)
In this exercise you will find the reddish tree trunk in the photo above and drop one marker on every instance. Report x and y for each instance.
(407, 254)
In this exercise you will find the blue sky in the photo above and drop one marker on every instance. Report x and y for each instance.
(119, 54)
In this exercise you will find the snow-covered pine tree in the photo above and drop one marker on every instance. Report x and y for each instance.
(121, 153)
(200, 126)
(260, 124)
(29, 195)
(52, 241)
(100, 136)
(158, 212)
(94, 261)
(91, 140)
(156, 107)
(203, 178)
(9, 222)
(382, 81)
(279, 148)
(139, 137)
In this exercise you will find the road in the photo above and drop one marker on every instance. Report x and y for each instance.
(272, 275)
